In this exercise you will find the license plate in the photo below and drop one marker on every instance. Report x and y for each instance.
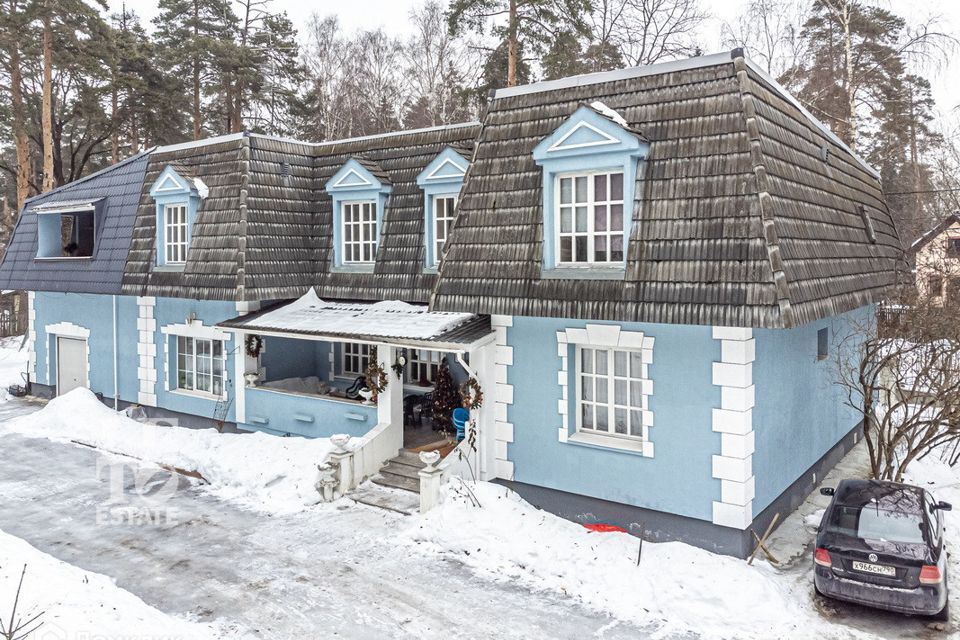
(876, 569)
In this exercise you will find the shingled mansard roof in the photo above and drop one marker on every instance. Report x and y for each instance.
(265, 230)
(748, 212)
(115, 191)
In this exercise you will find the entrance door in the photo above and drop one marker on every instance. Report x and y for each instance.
(71, 364)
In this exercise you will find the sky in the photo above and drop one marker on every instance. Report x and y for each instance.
(392, 15)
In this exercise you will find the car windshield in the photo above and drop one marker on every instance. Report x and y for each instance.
(868, 522)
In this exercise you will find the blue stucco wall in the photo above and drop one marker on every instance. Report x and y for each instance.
(799, 413)
(95, 312)
(309, 416)
(677, 479)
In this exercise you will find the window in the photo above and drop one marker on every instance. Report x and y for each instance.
(175, 230)
(200, 365)
(823, 343)
(65, 235)
(359, 232)
(444, 212)
(953, 247)
(935, 286)
(610, 392)
(422, 366)
(590, 218)
(355, 358)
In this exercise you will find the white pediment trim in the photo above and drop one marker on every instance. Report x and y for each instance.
(169, 183)
(356, 180)
(605, 138)
(461, 171)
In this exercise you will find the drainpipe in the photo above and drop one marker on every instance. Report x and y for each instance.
(116, 393)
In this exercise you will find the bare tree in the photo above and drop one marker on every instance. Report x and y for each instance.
(901, 373)
(325, 57)
(17, 628)
(438, 66)
(770, 30)
(646, 31)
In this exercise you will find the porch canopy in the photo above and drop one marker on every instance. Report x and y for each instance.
(388, 322)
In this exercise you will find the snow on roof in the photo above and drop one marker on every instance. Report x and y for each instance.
(389, 319)
(610, 113)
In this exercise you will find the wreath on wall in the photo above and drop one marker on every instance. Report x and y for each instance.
(375, 376)
(471, 393)
(253, 345)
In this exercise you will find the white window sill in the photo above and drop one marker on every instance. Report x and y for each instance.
(599, 441)
(583, 273)
(56, 258)
(359, 267)
(170, 268)
(203, 395)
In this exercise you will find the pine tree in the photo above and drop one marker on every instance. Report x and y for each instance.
(520, 24)
(446, 398)
(197, 41)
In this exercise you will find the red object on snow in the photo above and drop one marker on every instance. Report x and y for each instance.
(601, 527)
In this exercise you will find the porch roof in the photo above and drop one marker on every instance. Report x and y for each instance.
(390, 321)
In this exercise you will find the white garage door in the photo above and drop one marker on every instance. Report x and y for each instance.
(71, 364)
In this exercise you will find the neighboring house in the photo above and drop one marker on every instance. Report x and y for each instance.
(643, 272)
(936, 258)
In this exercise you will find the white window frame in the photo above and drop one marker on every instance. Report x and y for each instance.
(175, 251)
(430, 364)
(192, 360)
(358, 350)
(634, 358)
(591, 233)
(359, 226)
(445, 222)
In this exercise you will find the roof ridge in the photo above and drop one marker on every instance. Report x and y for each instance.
(771, 239)
(372, 136)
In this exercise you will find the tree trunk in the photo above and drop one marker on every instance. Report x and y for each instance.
(114, 125)
(47, 103)
(851, 91)
(197, 133)
(512, 48)
(21, 141)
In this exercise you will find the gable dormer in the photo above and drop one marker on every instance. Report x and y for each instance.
(359, 190)
(440, 181)
(590, 167)
(177, 195)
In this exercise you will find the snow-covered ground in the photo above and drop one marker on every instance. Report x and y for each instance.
(271, 474)
(72, 603)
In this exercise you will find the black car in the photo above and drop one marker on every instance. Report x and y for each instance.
(881, 544)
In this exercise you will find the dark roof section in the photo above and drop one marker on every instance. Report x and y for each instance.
(265, 231)
(738, 221)
(930, 235)
(117, 190)
(374, 169)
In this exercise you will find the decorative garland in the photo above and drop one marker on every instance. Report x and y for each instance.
(375, 376)
(471, 393)
(253, 345)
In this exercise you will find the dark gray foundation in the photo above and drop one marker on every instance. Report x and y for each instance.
(659, 526)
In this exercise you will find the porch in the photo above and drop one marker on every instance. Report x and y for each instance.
(306, 367)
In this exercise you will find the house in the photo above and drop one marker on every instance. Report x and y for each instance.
(936, 258)
(641, 269)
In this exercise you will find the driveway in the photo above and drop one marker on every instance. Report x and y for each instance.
(330, 571)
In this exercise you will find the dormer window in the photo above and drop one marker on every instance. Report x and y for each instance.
(441, 181)
(359, 190)
(177, 195)
(590, 165)
(590, 215)
(67, 229)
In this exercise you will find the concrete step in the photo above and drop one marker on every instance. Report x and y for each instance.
(390, 499)
(400, 469)
(408, 458)
(397, 482)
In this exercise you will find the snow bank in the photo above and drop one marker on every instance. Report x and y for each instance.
(79, 604)
(678, 587)
(13, 363)
(264, 472)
